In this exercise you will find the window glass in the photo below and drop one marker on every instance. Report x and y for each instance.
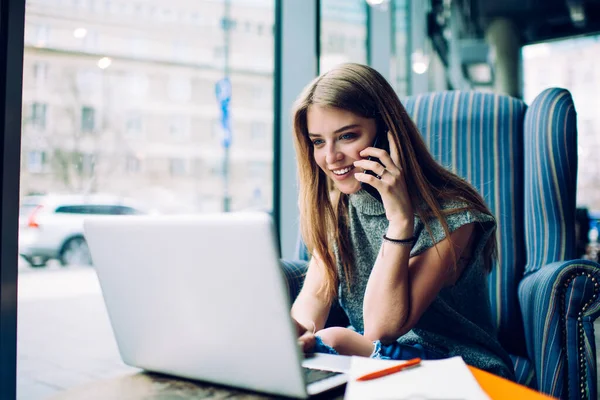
(88, 119)
(127, 108)
(551, 65)
(401, 26)
(343, 32)
(572, 64)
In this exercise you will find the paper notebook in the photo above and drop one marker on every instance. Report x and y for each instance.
(449, 378)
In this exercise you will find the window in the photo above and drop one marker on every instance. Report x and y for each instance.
(198, 167)
(42, 35)
(89, 82)
(85, 164)
(132, 164)
(177, 167)
(215, 167)
(341, 24)
(565, 64)
(401, 24)
(179, 126)
(258, 169)
(151, 119)
(37, 117)
(88, 119)
(258, 132)
(179, 50)
(36, 161)
(180, 89)
(138, 84)
(90, 41)
(40, 73)
(133, 124)
(216, 131)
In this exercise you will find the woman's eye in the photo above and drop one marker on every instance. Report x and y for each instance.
(347, 136)
(317, 142)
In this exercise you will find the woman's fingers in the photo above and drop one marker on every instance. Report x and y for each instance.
(372, 166)
(382, 155)
(307, 340)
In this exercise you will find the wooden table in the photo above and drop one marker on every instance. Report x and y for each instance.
(144, 385)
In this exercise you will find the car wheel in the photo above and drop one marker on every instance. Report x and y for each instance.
(75, 252)
(36, 261)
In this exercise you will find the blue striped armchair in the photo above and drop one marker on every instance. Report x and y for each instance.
(523, 160)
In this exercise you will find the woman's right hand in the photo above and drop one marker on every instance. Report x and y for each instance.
(306, 337)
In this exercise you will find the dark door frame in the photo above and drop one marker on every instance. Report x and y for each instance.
(12, 25)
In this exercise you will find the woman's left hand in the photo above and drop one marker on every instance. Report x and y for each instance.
(390, 184)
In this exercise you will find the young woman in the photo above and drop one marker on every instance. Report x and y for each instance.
(408, 268)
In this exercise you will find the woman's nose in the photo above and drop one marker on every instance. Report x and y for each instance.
(333, 155)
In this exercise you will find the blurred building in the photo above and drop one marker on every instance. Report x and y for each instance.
(119, 97)
(572, 64)
(144, 121)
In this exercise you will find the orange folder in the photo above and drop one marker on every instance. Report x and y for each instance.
(499, 388)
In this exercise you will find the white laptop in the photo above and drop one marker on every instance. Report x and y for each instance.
(203, 297)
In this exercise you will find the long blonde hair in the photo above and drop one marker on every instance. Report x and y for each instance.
(363, 91)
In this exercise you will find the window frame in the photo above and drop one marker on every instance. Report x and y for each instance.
(12, 33)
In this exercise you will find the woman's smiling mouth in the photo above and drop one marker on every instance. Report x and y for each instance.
(342, 172)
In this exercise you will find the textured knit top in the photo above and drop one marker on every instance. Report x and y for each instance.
(459, 321)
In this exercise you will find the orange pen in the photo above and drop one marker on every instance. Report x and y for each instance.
(390, 370)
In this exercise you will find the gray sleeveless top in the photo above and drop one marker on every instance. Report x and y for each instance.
(459, 321)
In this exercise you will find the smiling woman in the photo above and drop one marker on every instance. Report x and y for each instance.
(405, 265)
(338, 137)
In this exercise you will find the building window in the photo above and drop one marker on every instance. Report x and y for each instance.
(37, 117)
(258, 170)
(89, 82)
(133, 164)
(216, 131)
(179, 126)
(138, 84)
(40, 73)
(177, 167)
(179, 50)
(90, 41)
(86, 164)
(42, 35)
(198, 167)
(180, 89)
(36, 161)
(258, 131)
(88, 119)
(133, 124)
(215, 168)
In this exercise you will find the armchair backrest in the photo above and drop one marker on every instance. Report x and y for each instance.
(479, 136)
(550, 178)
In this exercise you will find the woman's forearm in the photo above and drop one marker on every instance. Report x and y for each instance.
(309, 310)
(386, 303)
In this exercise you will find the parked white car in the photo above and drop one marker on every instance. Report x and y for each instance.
(51, 226)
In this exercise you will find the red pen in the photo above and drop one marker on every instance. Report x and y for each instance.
(389, 370)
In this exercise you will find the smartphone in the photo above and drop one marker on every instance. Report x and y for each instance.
(381, 142)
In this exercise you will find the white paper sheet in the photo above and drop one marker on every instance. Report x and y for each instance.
(449, 378)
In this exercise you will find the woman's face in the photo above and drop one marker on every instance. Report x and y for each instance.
(337, 137)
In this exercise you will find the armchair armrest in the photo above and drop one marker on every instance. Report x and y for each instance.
(559, 303)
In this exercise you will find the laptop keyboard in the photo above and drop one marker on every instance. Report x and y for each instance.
(315, 375)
